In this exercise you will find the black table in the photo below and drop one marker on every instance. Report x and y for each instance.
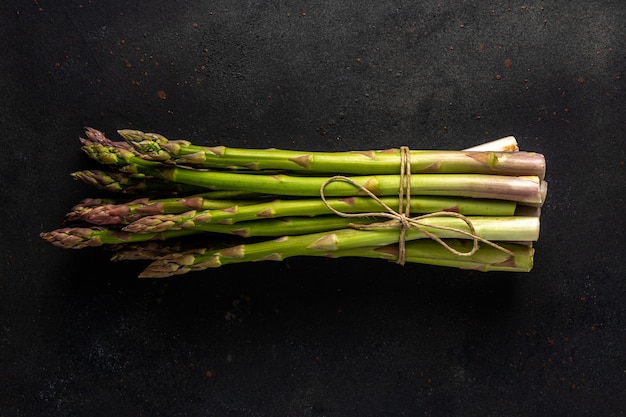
(315, 337)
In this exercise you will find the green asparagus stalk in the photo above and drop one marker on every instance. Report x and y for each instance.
(314, 207)
(496, 228)
(505, 144)
(315, 244)
(423, 251)
(530, 190)
(376, 162)
(429, 252)
(516, 228)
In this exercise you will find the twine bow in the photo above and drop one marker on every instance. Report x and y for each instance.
(401, 219)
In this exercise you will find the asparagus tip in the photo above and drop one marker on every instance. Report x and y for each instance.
(71, 238)
(169, 265)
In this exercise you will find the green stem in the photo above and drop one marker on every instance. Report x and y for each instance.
(315, 207)
(370, 162)
(528, 189)
(316, 244)
(429, 252)
(423, 251)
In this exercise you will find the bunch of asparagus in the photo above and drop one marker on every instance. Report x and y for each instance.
(187, 208)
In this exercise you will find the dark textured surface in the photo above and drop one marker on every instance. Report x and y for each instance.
(81, 336)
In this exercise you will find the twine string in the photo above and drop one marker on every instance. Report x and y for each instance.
(402, 217)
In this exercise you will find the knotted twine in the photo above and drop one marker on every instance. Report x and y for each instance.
(401, 219)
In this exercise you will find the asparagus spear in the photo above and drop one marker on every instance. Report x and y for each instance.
(516, 228)
(429, 252)
(505, 144)
(375, 162)
(315, 207)
(527, 189)
(422, 251)
(489, 228)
